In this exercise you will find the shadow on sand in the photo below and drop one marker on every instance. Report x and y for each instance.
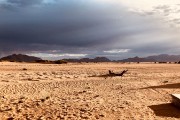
(169, 86)
(166, 110)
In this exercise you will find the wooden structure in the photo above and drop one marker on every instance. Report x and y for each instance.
(176, 99)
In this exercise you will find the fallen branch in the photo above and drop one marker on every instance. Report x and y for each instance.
(112, 74)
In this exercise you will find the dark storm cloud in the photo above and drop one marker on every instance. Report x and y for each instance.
(63, 24)
(24, 2)
(14, 4)
(76, 27)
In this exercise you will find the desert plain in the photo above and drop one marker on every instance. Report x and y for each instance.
(31, 91)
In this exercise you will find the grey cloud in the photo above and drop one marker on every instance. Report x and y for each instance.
(60, 26)
(24, 2)
(165, 12)
(13, 5)
(75, 27)
(162, 7)
(165, 9)
(177, 21)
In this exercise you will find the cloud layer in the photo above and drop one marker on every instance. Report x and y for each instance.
(80, 28)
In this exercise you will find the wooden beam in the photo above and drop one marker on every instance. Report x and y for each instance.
(176, 99)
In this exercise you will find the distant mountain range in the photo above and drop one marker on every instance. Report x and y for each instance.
(20, 58)
(97, 59)
(165, 58)
(156, 58)
(26, 58)
(137, 59)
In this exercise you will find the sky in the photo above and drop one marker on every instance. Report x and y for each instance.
(116, 29)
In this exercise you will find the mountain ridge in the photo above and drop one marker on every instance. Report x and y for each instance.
(19, 58)
(153, 58)
(165, 58)
(96, 59)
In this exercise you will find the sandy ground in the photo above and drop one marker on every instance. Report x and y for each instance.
(66, 92)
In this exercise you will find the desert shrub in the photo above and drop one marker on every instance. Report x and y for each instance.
(43, 61)
(24, 69)
(162, 62)
(51, 62)
(39, 61)
(60, 62)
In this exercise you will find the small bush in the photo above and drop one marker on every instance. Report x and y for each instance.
(162, 62)
(60, 62)
(51, 62)
(24, 69)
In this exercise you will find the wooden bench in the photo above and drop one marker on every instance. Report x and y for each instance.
(176, 99)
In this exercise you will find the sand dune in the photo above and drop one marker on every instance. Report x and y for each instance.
(66, 92)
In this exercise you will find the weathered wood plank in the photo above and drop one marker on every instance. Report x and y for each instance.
(176, 99)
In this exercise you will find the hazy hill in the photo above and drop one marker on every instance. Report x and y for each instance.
(101, 59)
(137, 59)
(20, 58)
(165, 58)
(155, 58)
(97, 59)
